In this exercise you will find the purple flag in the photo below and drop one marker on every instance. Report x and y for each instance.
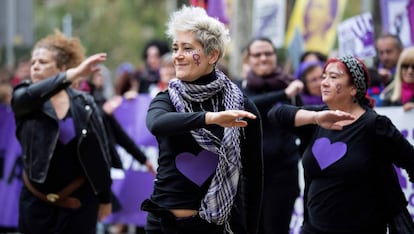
(217, 9)
(134, 184)
(410, 12)
(10, 169)
(131, 115)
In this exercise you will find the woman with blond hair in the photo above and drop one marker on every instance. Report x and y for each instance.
(209, 178)
(400, 92)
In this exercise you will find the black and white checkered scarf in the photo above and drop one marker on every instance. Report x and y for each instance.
(218, 201)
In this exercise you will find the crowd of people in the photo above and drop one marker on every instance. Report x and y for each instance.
(229, 147)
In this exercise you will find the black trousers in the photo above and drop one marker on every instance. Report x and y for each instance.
(39, 217)
(309, 229)
(281, 189)
(162, 221)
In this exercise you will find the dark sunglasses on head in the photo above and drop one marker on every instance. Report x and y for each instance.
(406, 66)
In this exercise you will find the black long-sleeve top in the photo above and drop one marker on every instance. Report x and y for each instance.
(178, 187)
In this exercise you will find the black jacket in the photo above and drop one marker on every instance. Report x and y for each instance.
(37, 130)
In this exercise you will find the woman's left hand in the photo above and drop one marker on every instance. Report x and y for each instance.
(229, 118)
(105, 209)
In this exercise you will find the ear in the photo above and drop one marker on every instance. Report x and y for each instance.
(213, 57)
(354, 91)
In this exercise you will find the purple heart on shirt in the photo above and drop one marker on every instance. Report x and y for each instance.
(67, 130)
(197, 168)
(326, 153)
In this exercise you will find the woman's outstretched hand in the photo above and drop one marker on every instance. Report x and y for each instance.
(329, 119)
(87, 67)
(229, 118)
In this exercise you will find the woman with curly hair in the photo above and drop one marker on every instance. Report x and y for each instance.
(66, 159)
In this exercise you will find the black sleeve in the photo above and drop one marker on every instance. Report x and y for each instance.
(105, 196)
(252, 176)
(123, 139)
(29, 97)
(162, 118)
(283, 116)
(400, 151)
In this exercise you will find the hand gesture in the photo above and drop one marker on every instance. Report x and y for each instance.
(112, 104)
(150, 167)
(105, 209)
(229, 118)
(364, 31)
(329, 119)
(294, 88)
(87, 67)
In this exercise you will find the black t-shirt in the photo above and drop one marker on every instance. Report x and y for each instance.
(350, 185)
(64, 165)
(342, 167)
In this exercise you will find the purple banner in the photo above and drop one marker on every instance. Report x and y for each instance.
(133, 184)
(132, 114)
(398, 19)
(10, 169)
(356, 36)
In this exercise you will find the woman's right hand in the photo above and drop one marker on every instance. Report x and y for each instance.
(329, 119)
(229, 118)
(87, 67)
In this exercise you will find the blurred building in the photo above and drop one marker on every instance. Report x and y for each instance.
(16, 28)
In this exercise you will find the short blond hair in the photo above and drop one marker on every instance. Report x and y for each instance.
(210, 32)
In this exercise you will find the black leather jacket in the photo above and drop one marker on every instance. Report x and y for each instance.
(37, 130)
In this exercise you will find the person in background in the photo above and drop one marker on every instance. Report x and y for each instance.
(349, 156)
(126, 83)
(266, 86)
(167, 72)
(400, 92)
(388, 47)
(209, 178)
(150, 73)
(99, 85)
(5, 93)
(5, 74)
(310, 55)
(310, 73)
(116, 135)
(22, 71)
(67, 182)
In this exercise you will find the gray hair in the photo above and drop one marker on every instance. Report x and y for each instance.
(210, 32)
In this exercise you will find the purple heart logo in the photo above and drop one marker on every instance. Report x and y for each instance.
(197, 168)
(326, 153)
(67, 130)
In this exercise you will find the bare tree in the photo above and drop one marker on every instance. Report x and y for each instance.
(241, 31)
